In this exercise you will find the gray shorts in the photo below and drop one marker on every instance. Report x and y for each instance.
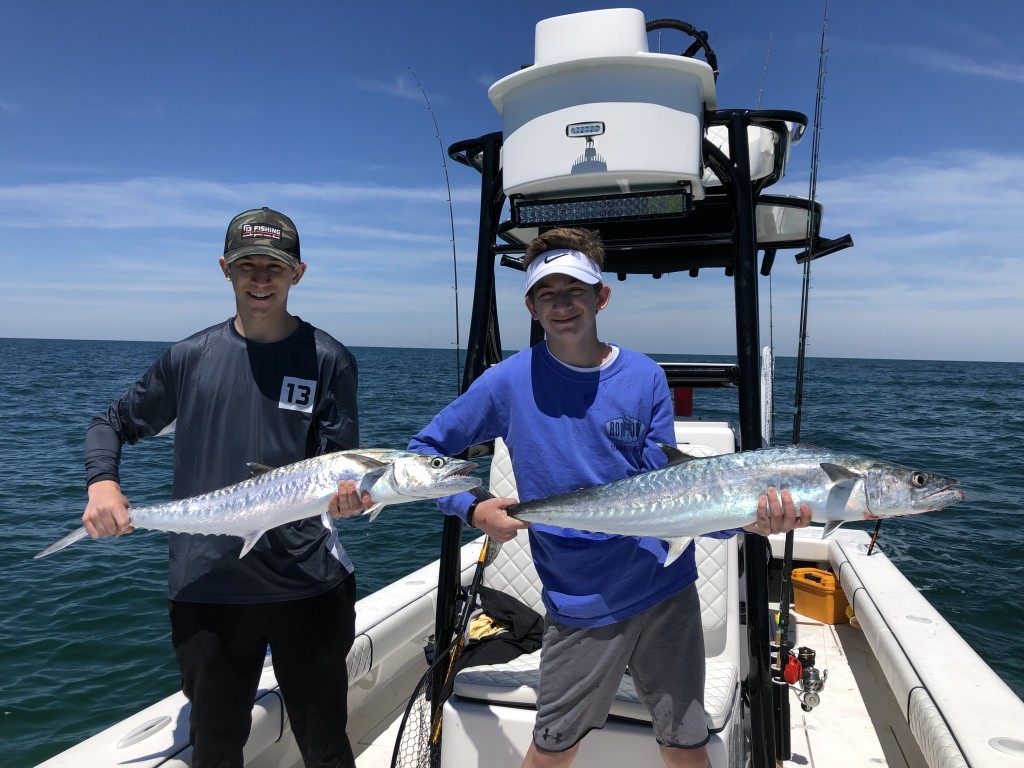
(581, 668)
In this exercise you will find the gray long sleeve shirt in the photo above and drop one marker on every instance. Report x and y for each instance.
(234, 401)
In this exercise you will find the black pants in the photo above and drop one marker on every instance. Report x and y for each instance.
(221, 649)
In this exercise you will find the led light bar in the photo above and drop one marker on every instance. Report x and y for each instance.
(579, 210)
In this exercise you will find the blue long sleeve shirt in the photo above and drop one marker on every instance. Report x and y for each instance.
(568, 429)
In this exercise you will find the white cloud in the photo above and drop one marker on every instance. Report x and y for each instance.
(935, 271)
(159, 202)
(945, 61)
(402, 87)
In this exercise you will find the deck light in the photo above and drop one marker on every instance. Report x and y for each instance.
(585, 129)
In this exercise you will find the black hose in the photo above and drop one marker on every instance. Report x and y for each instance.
(700, 39)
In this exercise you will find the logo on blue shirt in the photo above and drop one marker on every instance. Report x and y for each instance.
(626, 432)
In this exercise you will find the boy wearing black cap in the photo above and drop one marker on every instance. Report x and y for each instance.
(576, 412)
(265, 387)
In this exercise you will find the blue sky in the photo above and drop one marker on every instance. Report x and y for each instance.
(131, 132)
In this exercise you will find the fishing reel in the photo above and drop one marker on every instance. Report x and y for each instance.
(800, 669)
(811, 680)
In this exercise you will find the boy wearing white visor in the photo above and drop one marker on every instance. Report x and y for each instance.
(576, 412)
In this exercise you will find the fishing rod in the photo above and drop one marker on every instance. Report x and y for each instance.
(764, 73)
(785, 645)
(419, 736)
(806, 286)
(451, 219)
(447, 602)
(768, 360)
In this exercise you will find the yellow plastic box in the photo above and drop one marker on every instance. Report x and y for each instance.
(818, 595)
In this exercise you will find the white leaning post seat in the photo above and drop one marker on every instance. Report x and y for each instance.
(514, 684)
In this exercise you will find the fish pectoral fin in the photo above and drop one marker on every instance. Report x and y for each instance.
(676, 547)
(249, 541)
(830, 528)
(837, 473)
(838, 496)
(256, 469)
(374, 511)
(368, 463)
(844, 481)
(370, 478)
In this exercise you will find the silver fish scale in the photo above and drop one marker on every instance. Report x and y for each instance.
(280, 496)
(298, 491)
(717, 493)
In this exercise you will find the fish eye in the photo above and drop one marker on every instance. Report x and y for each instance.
(437, 462)
(918, 480)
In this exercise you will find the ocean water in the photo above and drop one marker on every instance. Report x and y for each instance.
(84, 637)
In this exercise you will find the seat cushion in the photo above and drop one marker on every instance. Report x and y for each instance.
(515, 684)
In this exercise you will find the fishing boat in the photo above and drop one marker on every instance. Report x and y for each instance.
(819, 652)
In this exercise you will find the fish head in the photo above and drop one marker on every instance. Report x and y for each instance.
(894, 490)
(423, 476)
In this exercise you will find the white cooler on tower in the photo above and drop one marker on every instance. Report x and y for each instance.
(598, 113)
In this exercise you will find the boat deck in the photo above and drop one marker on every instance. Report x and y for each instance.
(844, 731)
(848, 730)
(377, 754)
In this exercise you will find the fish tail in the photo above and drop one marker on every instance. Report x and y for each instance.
(71, 538)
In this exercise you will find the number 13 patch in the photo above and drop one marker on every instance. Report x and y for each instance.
(297, 394)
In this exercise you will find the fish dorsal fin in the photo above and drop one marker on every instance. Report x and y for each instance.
(676, 547)
(256, 469)
(674, 455)
(830, 528)
(249, 541)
